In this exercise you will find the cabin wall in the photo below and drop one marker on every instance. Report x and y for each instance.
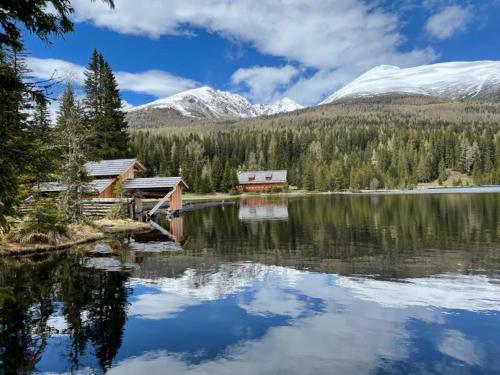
(175, 200)
(259, 187)
(109, 192)
(129, 173)
(176, 227)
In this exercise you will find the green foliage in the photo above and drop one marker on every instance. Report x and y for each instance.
(23, 151)
(39, 17)
(442, 176)
(73, 139)
(119, 210)
(103, 113)
(327, 154)
(17, 136)
(43, 224)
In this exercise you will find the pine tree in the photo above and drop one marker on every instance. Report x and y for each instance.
(73, 175)
(228, 181)
(44, 150)
(442, 172)
(104, 116)
(14, 136)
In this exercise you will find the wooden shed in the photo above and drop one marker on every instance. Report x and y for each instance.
(169, 189)
(113, 170)
(106, 174)
(256, 181)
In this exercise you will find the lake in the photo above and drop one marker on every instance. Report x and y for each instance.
(328, 284)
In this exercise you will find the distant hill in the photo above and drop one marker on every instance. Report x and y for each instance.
(442, 91)
(202, 103)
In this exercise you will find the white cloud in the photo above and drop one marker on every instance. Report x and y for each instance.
(264, 82)
(448, 21)
(350, 35)
(56, 69)
(153, 82)
(456, 345)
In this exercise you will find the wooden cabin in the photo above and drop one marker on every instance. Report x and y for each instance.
(257, 181)
(107, 173)
(157, 187)
(112, 171)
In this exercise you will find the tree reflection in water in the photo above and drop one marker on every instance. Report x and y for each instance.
(93, 303)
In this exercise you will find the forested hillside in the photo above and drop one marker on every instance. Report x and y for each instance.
(394, 144)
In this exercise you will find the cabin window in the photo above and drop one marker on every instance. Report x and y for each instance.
(269, 177)
(251, 177)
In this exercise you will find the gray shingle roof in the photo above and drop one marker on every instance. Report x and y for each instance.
(109, 167)
(261, 177)
(152, 183)
(96, 186)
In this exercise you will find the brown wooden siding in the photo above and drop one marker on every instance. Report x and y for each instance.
(109, 192)
(176, 227)
(175, 200)
(129, 173)
(259, 187)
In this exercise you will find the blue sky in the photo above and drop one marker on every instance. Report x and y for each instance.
(264, 49)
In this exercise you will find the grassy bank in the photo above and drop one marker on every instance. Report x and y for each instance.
(193, 197)
(423, 187)
(77, 234)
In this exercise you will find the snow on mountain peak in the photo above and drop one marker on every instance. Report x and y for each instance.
(206, 102)
(452, 80)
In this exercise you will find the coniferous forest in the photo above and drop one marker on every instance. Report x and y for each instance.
(360, 148)
(32, 149)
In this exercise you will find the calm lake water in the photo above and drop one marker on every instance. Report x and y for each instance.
(315, 285)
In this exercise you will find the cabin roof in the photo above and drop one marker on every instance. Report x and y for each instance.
(96, 186)
(153, 183)
(111, 167)
(261, 177)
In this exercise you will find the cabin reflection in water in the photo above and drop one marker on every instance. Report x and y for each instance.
(167, 235)
(260, 208)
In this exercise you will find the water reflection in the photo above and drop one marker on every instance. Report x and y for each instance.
(58, 308)
(259, 208)
(350, 285)
(250, 318)
(167, 235)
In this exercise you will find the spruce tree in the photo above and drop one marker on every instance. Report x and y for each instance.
(44, 150)
(104, 116)
(73, 138)
(14, 135)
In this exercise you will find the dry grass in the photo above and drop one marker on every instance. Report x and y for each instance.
(120, 225)
(77, 234)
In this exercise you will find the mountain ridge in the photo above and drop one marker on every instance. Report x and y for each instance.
(450, 80)
(206, 102)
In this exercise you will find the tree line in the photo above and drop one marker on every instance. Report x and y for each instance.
(327, 154)
(32, 151)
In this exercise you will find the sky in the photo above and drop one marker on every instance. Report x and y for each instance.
(263, 49)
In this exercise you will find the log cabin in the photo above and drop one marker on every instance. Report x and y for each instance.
(258, 181)
(107, 173)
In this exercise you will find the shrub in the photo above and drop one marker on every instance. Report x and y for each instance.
(118, 211)
(43, 224)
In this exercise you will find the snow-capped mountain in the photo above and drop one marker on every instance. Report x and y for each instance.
(206, 102)
(453, 80)
(280, 106)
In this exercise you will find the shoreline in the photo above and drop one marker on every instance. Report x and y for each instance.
(192, 198)
(103, 228)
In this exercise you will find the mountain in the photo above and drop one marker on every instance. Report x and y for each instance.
(281, 106)
(453, 80)
(208, 103)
